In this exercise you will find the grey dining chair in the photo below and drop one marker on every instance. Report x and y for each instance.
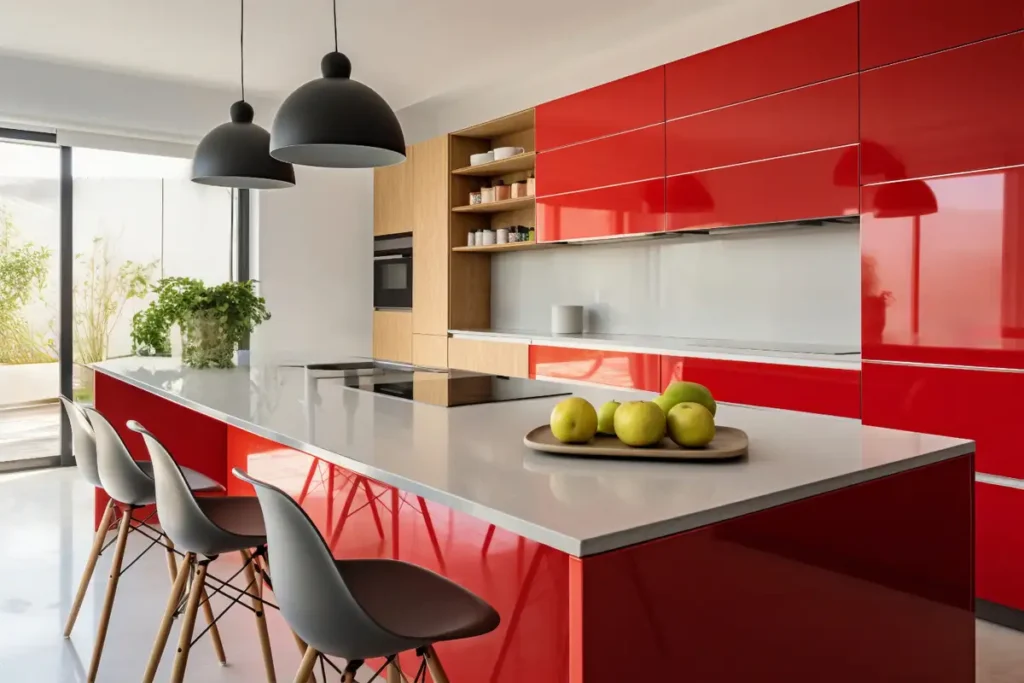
(101, 456)
(204, 528)
(361, 609)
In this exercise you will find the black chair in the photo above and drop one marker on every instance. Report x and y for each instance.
(361, 609)
(204, 528)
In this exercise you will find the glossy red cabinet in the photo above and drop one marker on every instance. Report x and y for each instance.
(624, 158)
(969, 404)
(613, 368)
(950, 112)
(618, 210)
(622, 105)
(815, 49)
(816, 117)
(999, 544)
(806, 186)
(892, 30)
(827, 391)
(943, 270)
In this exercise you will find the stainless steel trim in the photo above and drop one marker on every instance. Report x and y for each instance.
(997, 480)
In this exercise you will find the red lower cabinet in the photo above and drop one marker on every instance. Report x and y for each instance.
(620, 210)
(981, 405)
(807, 186)
(826, 391)
(999, 544)
(613, 368)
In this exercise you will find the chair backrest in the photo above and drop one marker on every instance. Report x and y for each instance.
(120, 476)
(181, 518)
(310, 591)
(83, 442)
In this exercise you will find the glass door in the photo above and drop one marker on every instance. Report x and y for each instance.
(30, 300)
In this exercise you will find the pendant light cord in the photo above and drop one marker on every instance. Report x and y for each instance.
(335, 3)
(241, 45)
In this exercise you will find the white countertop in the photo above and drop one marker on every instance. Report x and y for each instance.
(472, 458)
(781, 353)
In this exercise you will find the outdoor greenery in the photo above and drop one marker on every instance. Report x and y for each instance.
(23, 270)
(213, 320)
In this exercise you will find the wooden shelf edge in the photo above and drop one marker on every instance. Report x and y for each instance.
(497, 207)
(514, 246)
(502, 166)
(511, 123)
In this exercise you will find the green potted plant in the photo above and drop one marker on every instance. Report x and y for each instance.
(212, 320)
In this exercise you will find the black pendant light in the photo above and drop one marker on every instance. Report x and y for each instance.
(336, 122)
(237, 153)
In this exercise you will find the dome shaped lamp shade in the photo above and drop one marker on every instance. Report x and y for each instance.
(336, 122)
(237, 154)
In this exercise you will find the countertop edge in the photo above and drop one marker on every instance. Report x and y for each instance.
(740, 355)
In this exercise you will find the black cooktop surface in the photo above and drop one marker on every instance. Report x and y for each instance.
(452, 390)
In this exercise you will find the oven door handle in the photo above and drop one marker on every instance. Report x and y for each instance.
(392, 257)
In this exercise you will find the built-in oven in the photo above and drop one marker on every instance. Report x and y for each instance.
(392, 271)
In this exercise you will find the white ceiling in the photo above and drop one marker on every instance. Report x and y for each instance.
(408, 50)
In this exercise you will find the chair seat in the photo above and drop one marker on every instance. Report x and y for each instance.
(241, 524)
(415, 603)
(197, 481)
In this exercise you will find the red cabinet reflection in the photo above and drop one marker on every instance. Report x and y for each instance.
(891, 30)
(999, 544)
(802, 120)
(818, 48)
(979, 405)
(826, 391)
(943, 270)
(950, 112)
(625, 158)
(625, 104)
(806, 186)
(617, 210)
(613, 368)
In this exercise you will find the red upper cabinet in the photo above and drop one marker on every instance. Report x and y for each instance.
(950, 112)
(893, 30)
(607, 212)
(625, 104)
(802, 120)
(942, 265)
(624, 158)
(814, 49)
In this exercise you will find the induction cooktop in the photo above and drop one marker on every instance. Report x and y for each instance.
(453, 389)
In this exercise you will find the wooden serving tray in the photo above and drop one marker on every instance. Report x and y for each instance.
(729, 442)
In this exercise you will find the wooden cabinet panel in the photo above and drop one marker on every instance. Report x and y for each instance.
(625, 104)
(392, 197)
(893, 30)
(430, 237)
(816, 117)
(392, 336)
(617, 159)
(951, 112)
(429, 350)
(815, 49)
(498, 358)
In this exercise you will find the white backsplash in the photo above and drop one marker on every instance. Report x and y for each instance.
(798, 285)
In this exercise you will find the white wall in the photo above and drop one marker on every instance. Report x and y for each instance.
(795, 286)
(314, 260)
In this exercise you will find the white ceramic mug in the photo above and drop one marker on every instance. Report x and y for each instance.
(506, 152)
(566, 319)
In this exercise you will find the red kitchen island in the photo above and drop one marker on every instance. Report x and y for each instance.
(833, 552)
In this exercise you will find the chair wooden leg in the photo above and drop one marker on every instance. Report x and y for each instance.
(218, 646)
(306, 667)
(165, 624)
(261, 619)
(435, 667)
(172, 561)
(90, 566)
(108, 600)
(395, 671)
(188, 624)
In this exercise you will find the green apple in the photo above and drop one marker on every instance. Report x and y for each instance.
(640, 423)
(691, 425)
(606, 418)
(574, 420)
(690, 392)
(665, 403)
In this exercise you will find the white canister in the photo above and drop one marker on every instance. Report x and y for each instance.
(479, 237)
(471, 239)
(502, 235)
(566, 319)
(488, 238)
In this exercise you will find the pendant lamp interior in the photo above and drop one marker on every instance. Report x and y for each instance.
(336, 122)
(237, 153)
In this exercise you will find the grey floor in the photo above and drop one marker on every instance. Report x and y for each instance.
(46, 530)
(29, 432)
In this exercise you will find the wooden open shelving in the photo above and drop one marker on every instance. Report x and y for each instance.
(513, 123)
(497, 207)
(514, 246)
(520, 162)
